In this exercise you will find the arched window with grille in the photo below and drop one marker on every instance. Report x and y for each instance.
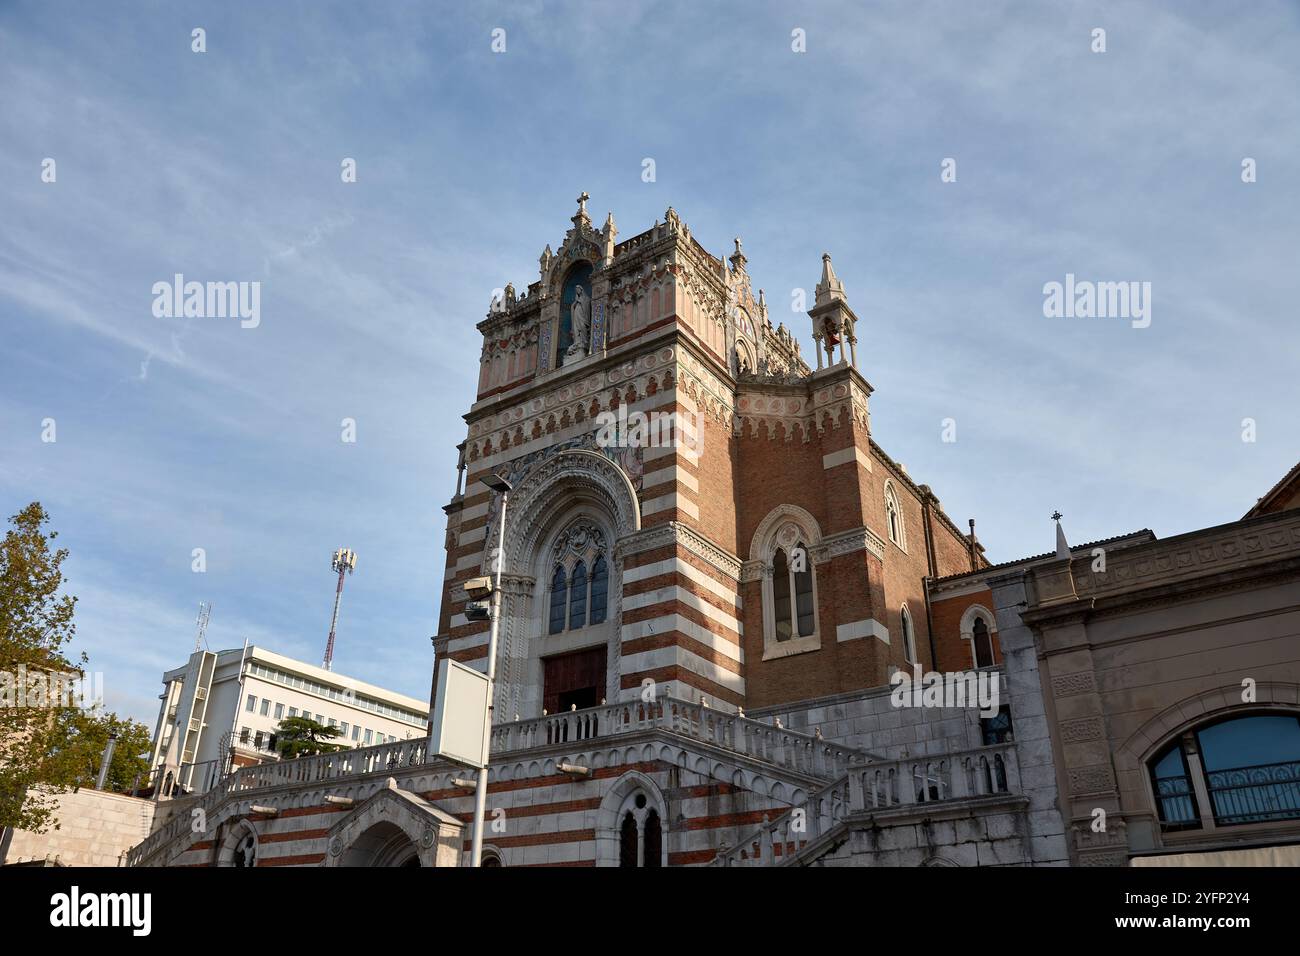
(1235, 771)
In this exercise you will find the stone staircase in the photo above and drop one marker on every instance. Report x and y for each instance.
(718, 744)
(903, 788)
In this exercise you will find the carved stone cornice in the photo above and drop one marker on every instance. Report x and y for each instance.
(847, 542)
(674, 533)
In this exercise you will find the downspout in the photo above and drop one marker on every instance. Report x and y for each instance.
(925, 582)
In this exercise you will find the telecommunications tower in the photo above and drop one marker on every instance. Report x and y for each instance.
(344, 563)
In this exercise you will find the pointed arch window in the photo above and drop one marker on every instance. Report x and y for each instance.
(578, 597)
(781, 595)
(782, 561)
(579, 579)
(893, 516)
(981, 643)
(909, 636)
(559, 592)
(628, 841)
(599, 590)
(640, 835)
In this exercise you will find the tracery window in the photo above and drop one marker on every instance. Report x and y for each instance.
(640, 836)
(783, 553)
(579, 597)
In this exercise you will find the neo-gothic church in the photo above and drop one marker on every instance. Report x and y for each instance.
(702, 627)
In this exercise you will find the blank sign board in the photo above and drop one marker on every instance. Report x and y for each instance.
(462, 700)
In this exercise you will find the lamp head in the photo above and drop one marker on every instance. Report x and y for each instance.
(497, 483)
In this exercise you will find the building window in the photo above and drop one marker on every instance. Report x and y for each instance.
(368, 737)
(559, 592)
(1248, 769)
(782, 555)
(293, 711)
(578, 597)
(997, 729)
(279, 711)
(640, 836)
(343, 729)
(599, 590)
(356, 732)
(266, 707)
(251, 704)
(893, 516)
(792, 593)
(781, 595)
(909, 636)
(981, 643)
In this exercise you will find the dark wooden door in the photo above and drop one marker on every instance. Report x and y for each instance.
(575, 679)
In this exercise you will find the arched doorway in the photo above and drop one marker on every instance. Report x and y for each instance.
(384, 844)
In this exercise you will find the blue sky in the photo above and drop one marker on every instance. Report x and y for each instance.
(174, 434)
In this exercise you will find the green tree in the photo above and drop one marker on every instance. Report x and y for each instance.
(85, 749)
(36, 732)
(300, 737)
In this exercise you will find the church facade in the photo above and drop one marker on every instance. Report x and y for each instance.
(724, 608)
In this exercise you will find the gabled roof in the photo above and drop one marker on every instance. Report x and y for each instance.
(1143, 536)
(1285, 494)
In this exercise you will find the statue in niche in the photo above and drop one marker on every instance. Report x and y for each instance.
(580, 323)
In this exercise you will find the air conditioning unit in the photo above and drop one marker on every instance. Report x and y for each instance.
(201, 694)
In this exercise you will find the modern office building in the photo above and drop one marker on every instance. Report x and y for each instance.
(222, 709)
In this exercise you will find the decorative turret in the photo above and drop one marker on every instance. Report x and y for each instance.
(608, 232)
(833, 320)
(738, 258)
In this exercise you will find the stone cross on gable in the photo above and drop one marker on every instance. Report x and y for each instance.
(582, 204)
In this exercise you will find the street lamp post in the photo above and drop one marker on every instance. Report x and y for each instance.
(498, 484)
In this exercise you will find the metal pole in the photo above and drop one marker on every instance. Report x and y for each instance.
(338, 599)
(480, 792)
(105, 761)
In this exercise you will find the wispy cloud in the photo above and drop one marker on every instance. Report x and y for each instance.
(176, 434)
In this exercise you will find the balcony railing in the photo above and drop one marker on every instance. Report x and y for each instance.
(876, 787)
(1177, 803)
(1258, 794)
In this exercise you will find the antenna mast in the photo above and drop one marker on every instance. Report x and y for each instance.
(344, 562)
(205, 612)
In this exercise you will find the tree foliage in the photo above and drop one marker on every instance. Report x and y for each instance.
(49, 741)
(300, 737)
(36, 733)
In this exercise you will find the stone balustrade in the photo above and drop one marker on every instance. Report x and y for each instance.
(788, 749)
(383, 758)
(874, 787)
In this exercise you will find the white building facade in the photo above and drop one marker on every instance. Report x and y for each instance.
(222, 710)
